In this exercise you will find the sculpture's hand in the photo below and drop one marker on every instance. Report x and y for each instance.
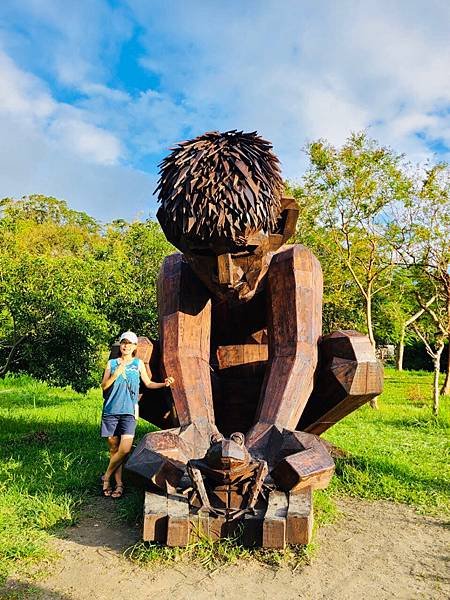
(263, 441)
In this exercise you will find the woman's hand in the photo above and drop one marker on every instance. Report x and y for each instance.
(168, 381)
(120, 369)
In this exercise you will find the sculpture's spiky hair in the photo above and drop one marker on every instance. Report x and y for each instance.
(219, 186)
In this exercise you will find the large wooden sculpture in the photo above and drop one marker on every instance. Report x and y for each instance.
(240, 331)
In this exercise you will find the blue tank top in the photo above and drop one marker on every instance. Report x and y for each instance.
(122, 396)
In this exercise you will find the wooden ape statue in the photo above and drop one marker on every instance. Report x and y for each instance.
(240, 331)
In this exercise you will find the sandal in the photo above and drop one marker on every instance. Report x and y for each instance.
(118, 492)
(106, 487)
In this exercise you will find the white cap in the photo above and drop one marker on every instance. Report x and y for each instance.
(130, 336)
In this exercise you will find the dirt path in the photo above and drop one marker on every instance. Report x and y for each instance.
(374, 551)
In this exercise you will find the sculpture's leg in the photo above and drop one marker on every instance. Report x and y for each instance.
(349, 376)
(199, 485)
(184, 308)
(160, 458)
(185, 322)
(256, 488)
(294, 329)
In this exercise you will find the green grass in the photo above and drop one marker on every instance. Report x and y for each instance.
(400, 452)
(51, 455)
(212, 554)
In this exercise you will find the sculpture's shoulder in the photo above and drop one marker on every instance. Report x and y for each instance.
(179, 289)
(173, 263)
(297, 255)
(175, 266)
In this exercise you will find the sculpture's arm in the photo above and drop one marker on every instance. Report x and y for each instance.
(294, 329)
(184, 308)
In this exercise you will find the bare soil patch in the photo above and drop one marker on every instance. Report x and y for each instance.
(375, 551)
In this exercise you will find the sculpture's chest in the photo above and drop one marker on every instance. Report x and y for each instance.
(239, 354)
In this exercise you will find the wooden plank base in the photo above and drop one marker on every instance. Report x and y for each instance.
(178, 524)
(287, 519)
(274, 526)
(299, 520)
(155, 518)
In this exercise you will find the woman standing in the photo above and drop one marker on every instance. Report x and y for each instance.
(120, 386)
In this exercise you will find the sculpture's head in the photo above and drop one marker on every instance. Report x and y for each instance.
(228, 455)
(222, 206)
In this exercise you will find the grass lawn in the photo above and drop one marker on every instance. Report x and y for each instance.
(51, 455)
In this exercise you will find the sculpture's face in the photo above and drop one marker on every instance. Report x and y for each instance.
(236, 275)
(229, 455)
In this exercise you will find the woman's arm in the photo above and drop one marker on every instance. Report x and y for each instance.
(153, 385)
(109, 379)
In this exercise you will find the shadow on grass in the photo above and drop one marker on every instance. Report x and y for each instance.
(61, 461)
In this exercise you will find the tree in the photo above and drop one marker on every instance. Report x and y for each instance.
(130, 259)
(67, 287)
(342, 306)
(356, 187)
(48, 322)
(422, 237)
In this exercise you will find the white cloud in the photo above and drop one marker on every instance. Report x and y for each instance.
(85, 140)
(51, 148)
(35, 164)
(25, 97)
(292, 70)
(297, 71)
(22, 93)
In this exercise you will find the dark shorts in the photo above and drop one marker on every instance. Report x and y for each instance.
(115, 425)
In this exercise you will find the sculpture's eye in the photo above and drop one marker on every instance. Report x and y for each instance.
(238, 437)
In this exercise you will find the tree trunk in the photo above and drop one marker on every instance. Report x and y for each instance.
(437, 368)
(436, 388)
(445, 390)
(401, 349)
(407, 323)
(369, 318)
(374, 402)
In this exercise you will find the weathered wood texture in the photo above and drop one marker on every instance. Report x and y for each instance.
(185, 324)
(294, 312)
(350, 376)
(178, 524)
(274, 526)
(160, 458)
(309, 465)
(155, 518)
(238, 359)
(294, 329)
(240, 328)
(300, 517)
(203, 181)
(287, 519)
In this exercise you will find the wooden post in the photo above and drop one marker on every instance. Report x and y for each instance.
(155, 518)
(274, 526)
(178, 520)
(300, 518)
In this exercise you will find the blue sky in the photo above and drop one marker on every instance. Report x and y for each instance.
(95, 92)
